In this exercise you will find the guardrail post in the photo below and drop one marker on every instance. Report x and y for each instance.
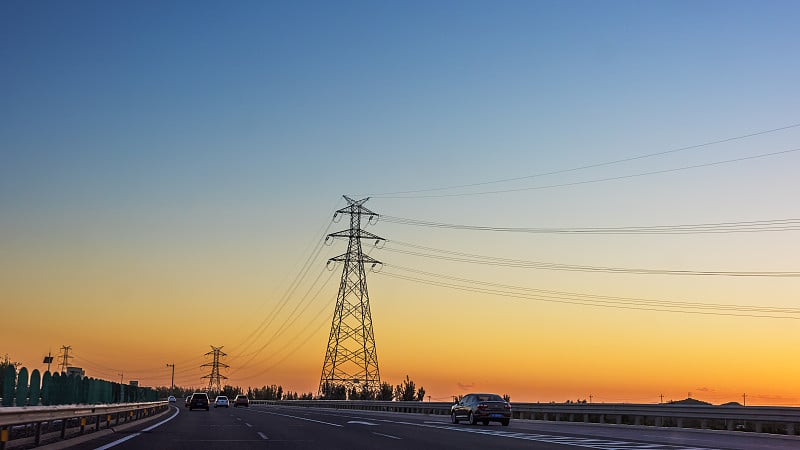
(3, 437)
(637, 420)
(586, 418)
(679, 422)
(660, 422)
(758, 427)
(790, 430)
(63, 428)
(38, 434)
(97, 423)
(704, 424)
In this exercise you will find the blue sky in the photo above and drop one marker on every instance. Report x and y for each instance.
(167, 144)
(398, 91)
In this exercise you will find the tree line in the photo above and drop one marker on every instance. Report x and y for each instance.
(405, 391)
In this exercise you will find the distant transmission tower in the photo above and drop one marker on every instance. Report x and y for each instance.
(351, 359)
(214, 377)
(65, 357)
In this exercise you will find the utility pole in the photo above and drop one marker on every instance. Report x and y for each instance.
(65, 357)
(172, 388)
(120, 378)
(744, 399)
(214, 377)
(590, 398)
(662, 398)
(351, 358)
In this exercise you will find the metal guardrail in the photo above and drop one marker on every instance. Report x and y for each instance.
(33, 422)
(760, 419)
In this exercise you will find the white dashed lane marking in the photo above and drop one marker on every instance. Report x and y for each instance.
(387, 436)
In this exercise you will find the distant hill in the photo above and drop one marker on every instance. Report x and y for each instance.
(731, 404)
(690, 401)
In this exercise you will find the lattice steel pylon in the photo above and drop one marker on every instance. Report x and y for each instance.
(351, 359)
(214, 377)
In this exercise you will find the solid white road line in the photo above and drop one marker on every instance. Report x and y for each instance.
(127, 438)
(263, 436)
(249, 426)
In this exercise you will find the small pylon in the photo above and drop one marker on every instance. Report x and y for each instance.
(65, 357)
(214, 377)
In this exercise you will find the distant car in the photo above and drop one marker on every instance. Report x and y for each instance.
(172, 399)
(483, 408)
(188, 399)
(221, 400)
(199, 400)
(241, 400)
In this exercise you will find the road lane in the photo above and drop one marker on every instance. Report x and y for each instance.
(283, 427)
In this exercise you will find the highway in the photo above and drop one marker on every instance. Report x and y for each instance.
(280, 427)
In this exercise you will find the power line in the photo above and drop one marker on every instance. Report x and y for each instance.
(592, 166)
(757, 226)
(299, 278)
(597, 180)
(286, 325)
(470, 258)
(571, 298)
(314, 324)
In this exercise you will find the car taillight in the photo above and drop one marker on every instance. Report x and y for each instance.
(508, 406)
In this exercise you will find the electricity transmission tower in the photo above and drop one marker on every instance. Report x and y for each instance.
(65, 357)
(351, 359)
(214, 377)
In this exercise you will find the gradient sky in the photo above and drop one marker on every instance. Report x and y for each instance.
(167, 169)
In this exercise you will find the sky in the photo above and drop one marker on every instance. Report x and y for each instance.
(169, 171)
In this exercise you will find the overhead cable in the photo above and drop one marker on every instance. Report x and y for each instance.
(592, 166)
(471, 258)
(757, 226)
(596, 180)
(522, 293)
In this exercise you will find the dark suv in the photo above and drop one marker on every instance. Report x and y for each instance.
(241, 400)
(483, 408)
(199, 400)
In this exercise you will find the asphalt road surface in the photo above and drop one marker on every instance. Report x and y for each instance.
(280, 427)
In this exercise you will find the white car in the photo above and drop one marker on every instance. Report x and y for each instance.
(171, 399)
(221, 400)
